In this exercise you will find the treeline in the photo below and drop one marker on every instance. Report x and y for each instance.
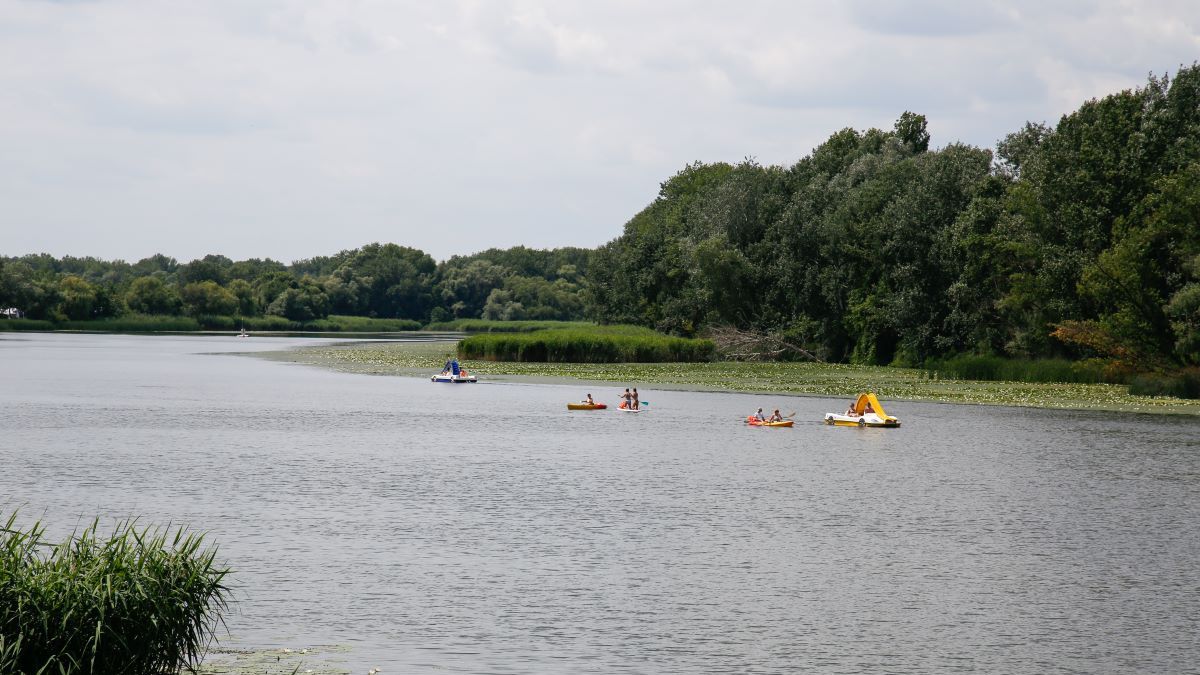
(1077, 241)
(1080, 240)
(377, 280)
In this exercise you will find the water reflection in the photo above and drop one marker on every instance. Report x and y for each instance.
(486, 529)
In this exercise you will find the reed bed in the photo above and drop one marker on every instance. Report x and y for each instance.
(26, 324)
(998, 369)
(142, 601)
(144, 323)
(490, 326)
(596, 344)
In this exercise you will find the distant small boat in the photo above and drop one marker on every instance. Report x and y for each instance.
(586, 406)
(243, 333)
(866, 412)
(452, 378)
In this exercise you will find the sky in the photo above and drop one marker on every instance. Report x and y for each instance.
(291, 129)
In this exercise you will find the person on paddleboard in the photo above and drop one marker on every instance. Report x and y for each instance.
(636, 403)
(627, 399)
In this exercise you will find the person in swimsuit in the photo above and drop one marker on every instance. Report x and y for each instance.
(776, 417)
(627, 399)
(636, 403)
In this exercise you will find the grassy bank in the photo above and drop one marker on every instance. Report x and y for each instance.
(591, 344)
(141, 323)
(816, 379)
(139, 601)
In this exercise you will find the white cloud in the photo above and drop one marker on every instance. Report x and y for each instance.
(289, 129)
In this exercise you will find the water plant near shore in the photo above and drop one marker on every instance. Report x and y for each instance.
(595, 344)
(141, 601)
(810, 379)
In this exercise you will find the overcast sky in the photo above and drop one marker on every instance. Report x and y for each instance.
(291, 129)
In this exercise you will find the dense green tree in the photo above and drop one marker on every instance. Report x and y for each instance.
(78, 298)
(303, 302)
(151, 295)
(246, 296)
(209, 268)
(208, 298)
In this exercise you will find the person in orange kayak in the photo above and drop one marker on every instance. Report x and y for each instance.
(759, 416)
(776, 417)
(589, 400)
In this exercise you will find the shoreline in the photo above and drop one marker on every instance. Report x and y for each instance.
(419, 359)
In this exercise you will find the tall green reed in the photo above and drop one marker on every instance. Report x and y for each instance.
(141, 601)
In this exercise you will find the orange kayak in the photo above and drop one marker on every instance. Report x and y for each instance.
(754, 422)
(586, 406)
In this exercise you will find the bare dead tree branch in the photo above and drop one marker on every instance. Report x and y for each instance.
(736, 343)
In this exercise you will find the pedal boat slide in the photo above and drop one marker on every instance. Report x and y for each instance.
(861, 417)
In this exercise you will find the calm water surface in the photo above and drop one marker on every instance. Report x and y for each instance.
(484, 529)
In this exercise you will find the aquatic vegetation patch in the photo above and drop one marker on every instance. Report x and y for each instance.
(313, 660)
(816, 379)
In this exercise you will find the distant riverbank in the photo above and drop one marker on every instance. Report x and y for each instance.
(800, 379)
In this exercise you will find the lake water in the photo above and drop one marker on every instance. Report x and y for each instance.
(484, 529)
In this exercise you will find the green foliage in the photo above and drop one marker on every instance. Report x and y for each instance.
(26, 324)
(207, 297)
(303, 301)
(1183, 384)
(996, 368)
(361, 324)
(152, 295)
(490, 326)
(133, 323)
(78, 298)
(598, 344)
(143, 601)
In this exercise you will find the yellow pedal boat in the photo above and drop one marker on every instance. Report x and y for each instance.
(866, 412)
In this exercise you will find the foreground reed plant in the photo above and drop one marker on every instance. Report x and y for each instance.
(142, 601)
